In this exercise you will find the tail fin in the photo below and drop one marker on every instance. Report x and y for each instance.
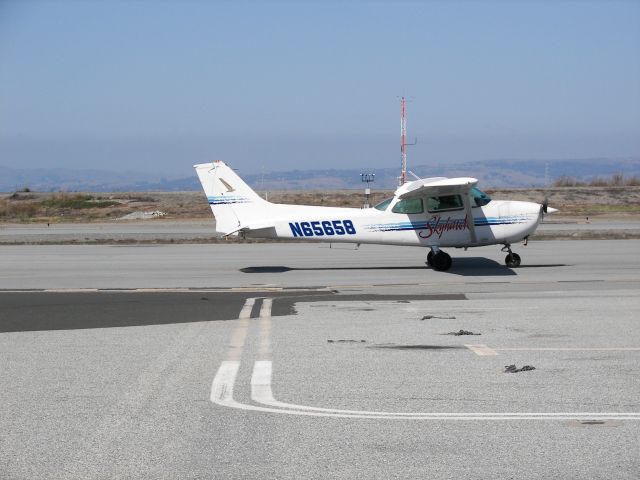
(234, 204)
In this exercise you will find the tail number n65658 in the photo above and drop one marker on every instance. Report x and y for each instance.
(321, 228)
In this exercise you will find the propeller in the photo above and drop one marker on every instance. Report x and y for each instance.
(545, 208)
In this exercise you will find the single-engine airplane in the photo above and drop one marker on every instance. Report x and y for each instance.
(434, 212)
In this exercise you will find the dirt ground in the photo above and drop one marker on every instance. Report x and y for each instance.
(34, 207)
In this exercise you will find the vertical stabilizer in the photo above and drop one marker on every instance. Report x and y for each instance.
(234, 204)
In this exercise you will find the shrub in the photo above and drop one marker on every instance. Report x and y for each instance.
(76, 202)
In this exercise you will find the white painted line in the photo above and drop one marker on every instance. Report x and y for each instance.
(256, 289)
(261, 392)
(222, 387)
(246, 308)
(261, 383)
(264, 347)
(265, 310)
(161, 290)
(222, 394)
(239, 335)
(481, 350)
(569, 349)
(70, 290)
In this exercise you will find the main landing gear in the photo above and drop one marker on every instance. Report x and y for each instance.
(512, 260)
(441, 261)
(438, 260)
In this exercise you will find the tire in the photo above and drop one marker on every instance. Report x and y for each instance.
(441, 262)
(430, 258)
(512, 260)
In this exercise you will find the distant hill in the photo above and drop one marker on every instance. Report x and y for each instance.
(491, 173)
(64, 179)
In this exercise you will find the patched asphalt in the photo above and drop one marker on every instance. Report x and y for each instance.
(118, 384)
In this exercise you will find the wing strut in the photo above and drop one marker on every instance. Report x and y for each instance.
(466, 200)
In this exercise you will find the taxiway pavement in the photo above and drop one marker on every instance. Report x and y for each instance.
(201, 231)
(300, 361)
(305, 264)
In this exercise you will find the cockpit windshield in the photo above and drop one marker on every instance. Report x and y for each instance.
(383, 204)
(479, 198)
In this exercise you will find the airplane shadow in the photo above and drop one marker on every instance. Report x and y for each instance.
(481, 266)
(282, 268)
(473, 266)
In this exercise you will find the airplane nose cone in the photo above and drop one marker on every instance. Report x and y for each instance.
(551, 210)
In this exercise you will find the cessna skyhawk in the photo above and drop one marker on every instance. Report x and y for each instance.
(435, 213)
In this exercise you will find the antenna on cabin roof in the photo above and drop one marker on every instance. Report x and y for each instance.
(403, 141)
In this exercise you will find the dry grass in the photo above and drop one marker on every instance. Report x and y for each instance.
(47, 207)
(616, 180)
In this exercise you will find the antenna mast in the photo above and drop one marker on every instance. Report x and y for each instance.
(403, 141)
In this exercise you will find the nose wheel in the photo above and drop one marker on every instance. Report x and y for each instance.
(439, 260)
(512, 260)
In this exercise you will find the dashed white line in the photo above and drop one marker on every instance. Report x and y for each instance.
(481, 349)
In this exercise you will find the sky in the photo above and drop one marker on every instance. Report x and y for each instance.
(160, 85)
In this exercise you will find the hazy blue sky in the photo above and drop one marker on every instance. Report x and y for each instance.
(275, 85)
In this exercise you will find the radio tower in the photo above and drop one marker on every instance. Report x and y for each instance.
(403, 141)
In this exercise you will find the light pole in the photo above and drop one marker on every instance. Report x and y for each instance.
(367, 178)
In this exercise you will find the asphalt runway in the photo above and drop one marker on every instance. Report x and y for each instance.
(300, 361)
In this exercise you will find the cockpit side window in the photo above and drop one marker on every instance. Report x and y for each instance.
(479, 198)
(383, 205)
(409, 206)
(444, 202)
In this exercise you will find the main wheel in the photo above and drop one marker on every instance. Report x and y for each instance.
(441, 261)
(430, 258)
(512, 260)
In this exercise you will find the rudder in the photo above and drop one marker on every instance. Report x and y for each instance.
(233, 203)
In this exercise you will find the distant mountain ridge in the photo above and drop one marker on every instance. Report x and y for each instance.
(491, 173)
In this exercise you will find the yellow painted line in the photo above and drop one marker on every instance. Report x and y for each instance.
(481, 349)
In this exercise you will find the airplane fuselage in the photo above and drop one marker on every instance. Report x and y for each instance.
(497, 222)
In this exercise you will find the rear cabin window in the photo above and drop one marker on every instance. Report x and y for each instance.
(409, 206)
(445, 202)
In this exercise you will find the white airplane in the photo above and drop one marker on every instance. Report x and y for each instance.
(434, 212)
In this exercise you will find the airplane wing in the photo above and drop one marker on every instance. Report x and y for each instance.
(434, 187)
